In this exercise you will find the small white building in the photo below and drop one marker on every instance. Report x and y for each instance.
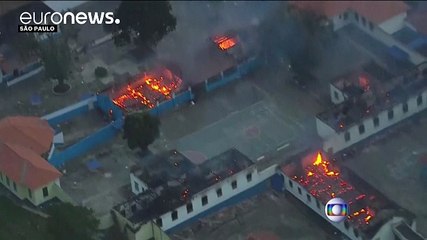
(365, 105)
(389, 16)
(173, 192)
(370, 216)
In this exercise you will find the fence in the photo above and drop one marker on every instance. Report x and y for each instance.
(101, 136)
(175, 101)
(232, 74)
(70, 112)
(25, 73)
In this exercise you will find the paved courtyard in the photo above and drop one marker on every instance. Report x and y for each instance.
(100, 190)
(253, 131)
(392, 166)
(268, 214)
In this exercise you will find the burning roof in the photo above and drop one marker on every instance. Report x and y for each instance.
(324, 182)
(149, 88)
(225, 42)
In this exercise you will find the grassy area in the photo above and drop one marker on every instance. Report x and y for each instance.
(17, 223)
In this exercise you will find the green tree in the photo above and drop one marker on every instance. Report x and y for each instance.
(140, 130)
(68, 222)
(56, 57)
(144, 23)
(26, 46)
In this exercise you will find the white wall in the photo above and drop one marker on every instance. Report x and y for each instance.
(338, 92)
(312, 204)
(341, 20)
(213, 199)
(381, 35)
(141, 185)
(336, 141)
(393, 24)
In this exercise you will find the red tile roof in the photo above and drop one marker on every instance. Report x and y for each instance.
(375, 11)
(25, 167)
(31, 132)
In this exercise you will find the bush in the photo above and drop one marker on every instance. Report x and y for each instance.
(100, 72)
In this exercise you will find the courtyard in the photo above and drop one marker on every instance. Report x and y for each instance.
(392, 166)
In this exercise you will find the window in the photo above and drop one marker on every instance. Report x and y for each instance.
(376, 121)
(419, 100)
(174, 215)
(219, 192)
(336, 95)
(189, 207)
(136, 186)
(249, 177)
(7, 181)
(291, 184)
(371, 26)
(405, 107)
(347, 136)
(363, 21)
(299, 190)
(204, 200)
(317, 204)
(45, 192)
(30, 194)
(308, 197)
(356, 16)
(361, 128)
(390, 114)
(159, 222)
(14, 186)
(345, 16)
(234, 184)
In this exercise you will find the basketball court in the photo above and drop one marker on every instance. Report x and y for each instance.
(254, 131)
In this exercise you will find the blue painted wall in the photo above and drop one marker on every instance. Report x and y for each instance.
(181, 98)
(68, 115)
(102, 136)
(232, 74)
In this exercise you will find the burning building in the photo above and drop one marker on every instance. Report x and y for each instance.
(368, 101)
(170, 190)
(315, 181)
(229, 43)
(148, 89)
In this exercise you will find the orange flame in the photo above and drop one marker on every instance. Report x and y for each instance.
(142, 91)
(318, 159)
(225, 43)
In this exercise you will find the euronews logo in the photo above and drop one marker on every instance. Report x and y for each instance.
(49, 21)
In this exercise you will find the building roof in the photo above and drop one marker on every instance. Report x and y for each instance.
(25, 167)
(369, 209)
(375, 11)
(417, 17)
(173, 180)
(31, 132)
(381, 95)
(9, 19)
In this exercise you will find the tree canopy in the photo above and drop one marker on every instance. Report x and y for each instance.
(144, 23)
(68, 222)
(56, 57)
(140, 130)
(26, 46)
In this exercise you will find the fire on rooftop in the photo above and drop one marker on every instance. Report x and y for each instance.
(149, 88)
(324, 182)
(224, 42)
